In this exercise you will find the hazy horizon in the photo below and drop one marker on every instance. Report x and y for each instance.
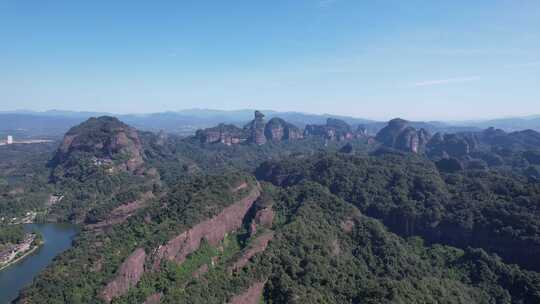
(450, 61)
(265, 111)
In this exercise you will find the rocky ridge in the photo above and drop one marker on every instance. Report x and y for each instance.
(212, 230)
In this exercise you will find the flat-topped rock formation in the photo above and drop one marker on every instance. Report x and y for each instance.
(399, 135)
(334, 129)
(257, 131)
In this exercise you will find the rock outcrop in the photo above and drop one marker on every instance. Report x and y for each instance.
(334, 129)
(256, 129)
(257, 246)
(399, 135)
(128, 275)
(452, 145)
(263, 218)
(278, 129)
(104, 141)
(154, 299)
(121, 213)
(225, 134)
(256, 132)
(250, 296)
(212, 230)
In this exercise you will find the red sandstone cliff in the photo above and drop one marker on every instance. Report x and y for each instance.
(212, 230)
(258, 245)
(154, 299)
(264, 217)
(129, 274)
(250, 296)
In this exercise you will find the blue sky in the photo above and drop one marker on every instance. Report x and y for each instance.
(415, 59)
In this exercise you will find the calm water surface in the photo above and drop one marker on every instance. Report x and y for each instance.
(57, 238)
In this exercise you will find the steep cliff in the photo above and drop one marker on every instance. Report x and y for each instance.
(257, 246)
(278, 129)
(334, 129)
(212, 230)
(398, 134)
(129, 273)
(255, 129)
(225, 134)
(101, 142)
(454, 145)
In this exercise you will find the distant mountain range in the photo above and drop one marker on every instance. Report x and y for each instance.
(57, 122)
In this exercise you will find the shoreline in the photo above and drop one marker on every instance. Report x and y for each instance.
(19, 259)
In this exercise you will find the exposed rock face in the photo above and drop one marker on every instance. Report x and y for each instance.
(454, 145)
(250, 296)
(335, 248)
(241, 186)
(399, 135)
(129, 273)
(123, 212)
(361, 132)
(258, 245)
(257, 132)
(389, 134)
(200, 271)
(256, 129)
(347, 225)
(212, 230)
(278, 129)
(263, 218)
(225, 134)
(153, 299)
(334, 129)
(106, 140)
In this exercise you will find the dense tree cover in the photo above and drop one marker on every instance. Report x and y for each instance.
(13, 234)
(210, 157)
(349, 228)
(494, 210)
(326, 251)
(32, 173)
(92, 198)
(313, 259)
(98, 254)
(23, 179)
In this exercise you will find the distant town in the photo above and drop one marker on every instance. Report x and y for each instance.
(11, 141)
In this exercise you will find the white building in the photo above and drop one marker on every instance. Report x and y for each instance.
(9, 140)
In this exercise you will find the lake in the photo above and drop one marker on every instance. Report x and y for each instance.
(58, 238)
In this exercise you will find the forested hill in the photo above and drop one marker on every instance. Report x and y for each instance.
(269, 213)
(494, 210)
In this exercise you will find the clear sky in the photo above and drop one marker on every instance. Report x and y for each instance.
(417, 59)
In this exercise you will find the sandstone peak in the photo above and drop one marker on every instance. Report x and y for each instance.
(257, 131)
(104, 141)
(398, 134)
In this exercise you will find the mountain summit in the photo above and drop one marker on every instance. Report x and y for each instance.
(103, 142)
